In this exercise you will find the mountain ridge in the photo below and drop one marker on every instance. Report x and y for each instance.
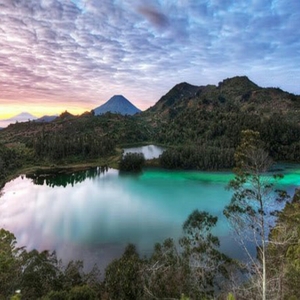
(238, 92)
(46, 118)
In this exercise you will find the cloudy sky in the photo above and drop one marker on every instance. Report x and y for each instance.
(76, 54)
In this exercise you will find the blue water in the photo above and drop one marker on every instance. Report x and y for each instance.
(93, 217)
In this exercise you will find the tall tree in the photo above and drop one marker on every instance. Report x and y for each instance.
(10, 264)
(195, 268)
(251, 209)
(122, 278)
(283, 252)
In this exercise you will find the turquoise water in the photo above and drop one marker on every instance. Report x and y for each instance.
(92, 215)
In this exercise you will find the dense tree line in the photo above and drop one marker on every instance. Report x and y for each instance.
(132, 162)
(197, 158)
(36, 275)
(210, 125)
(60, 145)
(218, 133)
(10, 160)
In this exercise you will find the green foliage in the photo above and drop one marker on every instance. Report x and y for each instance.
(200, 246)
(165, 274)
(284, 251)
(10, 160)
(250, 157)
(41, 274)
(215, 116)
(17, 297)
(195, 269)
(250, 211)
(183, 297)
(60, 145)
(132, 162)
(230, 297)
(10, 264)
(197, 229)
(122, 278)
(56, 295)
(37, 274)
(197, 158)
(82, 293)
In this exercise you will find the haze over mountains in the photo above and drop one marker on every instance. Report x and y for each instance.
(25, 117)
(22, 117)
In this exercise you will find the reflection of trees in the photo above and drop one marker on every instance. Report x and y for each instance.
(63, 179)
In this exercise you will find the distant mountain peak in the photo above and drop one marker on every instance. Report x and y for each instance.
(179, 92)
(46, 118)
(238, 82)
(22, 117)
(117, 104)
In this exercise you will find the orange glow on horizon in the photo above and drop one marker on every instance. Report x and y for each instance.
(38, 110)
(8, 111)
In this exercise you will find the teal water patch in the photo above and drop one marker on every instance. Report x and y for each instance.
(203, 177)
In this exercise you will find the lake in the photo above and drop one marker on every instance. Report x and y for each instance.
(92, 215)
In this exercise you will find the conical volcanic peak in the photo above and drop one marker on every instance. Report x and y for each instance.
(117, 104)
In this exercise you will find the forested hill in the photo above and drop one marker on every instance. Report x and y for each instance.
(206, 121)
(201, 124)
(237, 94)
(179, 92)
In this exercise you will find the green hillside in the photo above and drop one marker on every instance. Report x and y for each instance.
(212, 118)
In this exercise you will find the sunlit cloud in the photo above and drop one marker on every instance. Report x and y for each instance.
(79, 53)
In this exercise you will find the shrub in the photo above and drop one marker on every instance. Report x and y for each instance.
(132, 162)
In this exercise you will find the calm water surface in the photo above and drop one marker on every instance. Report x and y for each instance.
(149, 151)
(92, 215)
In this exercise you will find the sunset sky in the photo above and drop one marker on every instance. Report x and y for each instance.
(58, 55)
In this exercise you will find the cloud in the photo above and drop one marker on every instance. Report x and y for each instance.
(155, 17)
(81, 52)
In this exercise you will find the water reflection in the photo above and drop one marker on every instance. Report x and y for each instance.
(63, 179)
(92, 215)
